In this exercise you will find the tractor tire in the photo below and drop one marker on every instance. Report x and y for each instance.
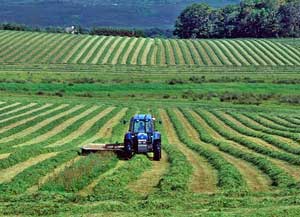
(128, 149)
(157, 151)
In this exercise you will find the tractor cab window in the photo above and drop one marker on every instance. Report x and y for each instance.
(142, 126)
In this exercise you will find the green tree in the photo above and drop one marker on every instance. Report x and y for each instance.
(289, 19)
(193, 22)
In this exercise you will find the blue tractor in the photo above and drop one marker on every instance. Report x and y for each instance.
(142, 137)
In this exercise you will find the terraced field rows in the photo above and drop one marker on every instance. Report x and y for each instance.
(29, 47)
(204, 151)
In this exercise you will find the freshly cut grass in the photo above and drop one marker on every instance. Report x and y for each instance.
(59, 128)
(200, 182)
(40, 125)
(119, 50)
(83, 128)
(88, 190)
(54, 173)
(24, 121)
(255, 179)
(8, 174)
(26, 113)
(18, 109)
(150, 178)
(3, 156)
(9, 106)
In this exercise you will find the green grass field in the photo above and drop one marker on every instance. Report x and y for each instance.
(27, 47)
(231, 127)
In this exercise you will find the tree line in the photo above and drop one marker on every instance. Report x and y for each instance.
(151, 32)
(249, 18)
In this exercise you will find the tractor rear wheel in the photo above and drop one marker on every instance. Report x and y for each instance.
(157, 151)
(128, 149)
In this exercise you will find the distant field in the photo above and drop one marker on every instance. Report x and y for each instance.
(44, 48)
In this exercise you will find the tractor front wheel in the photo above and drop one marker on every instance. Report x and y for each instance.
(128, 149)
(157, 151)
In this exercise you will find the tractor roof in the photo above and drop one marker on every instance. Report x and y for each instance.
(142, 117)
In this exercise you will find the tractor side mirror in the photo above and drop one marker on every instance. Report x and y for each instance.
(124, 122)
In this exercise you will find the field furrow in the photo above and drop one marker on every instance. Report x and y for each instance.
(238, 149)
(202, 179)
(45, 48)
(52, 55)
(215, 60)
(259, 52)
(228, 53)
(127, 52)
(3, 156)
(150, 178)
(60, 127)
(81, 53)
(71, 53)
(83, 128)
(17, 110)
(39, 125)
(119, 49)
(26, 113)
(91, 49)
(52, 174)
(8, 174)
(251, 53)
(133, 56)
(197, 60)
(218, 51)
(170, 56)
(256, 179)
(237, 53)
(146, 51)
(12, 55)
(26, 120)
(8, 107)
(106, 130)
(109, 52)
(88, 190)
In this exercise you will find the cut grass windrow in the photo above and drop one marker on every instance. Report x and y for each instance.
(269, 127)
(60, 127)
(83, 128)
(279, 177)
(23, 123)
(115, 185)
(248, 132)
(22, 114)
(30, 130)
(255, 179)
(180, 171)
(38, 169)
(80, 174)
(8, 174)
(281, 124)
(9, 107)
(254, 145)
(20, 109)
(197, 182)
(54, 169)
(229, 179)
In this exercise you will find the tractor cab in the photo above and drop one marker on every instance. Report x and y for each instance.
(142, 137)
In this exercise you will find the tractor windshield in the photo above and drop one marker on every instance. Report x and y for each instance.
(142, 126)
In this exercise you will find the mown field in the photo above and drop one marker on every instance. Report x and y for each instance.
(230, 114)
(45, 48)
(229, 161)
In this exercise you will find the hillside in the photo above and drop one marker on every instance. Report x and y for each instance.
(117, 13)
(28, 47)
